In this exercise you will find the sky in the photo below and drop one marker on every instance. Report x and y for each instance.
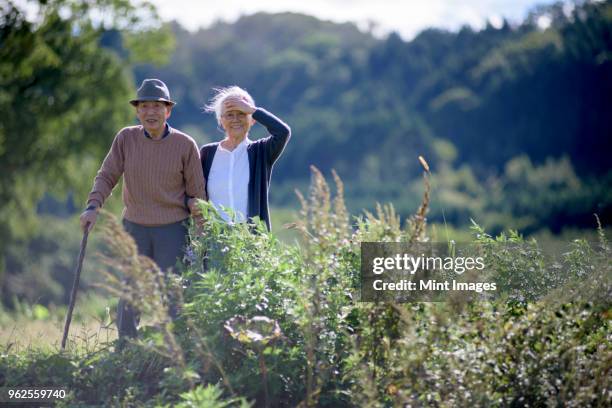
(407, 17)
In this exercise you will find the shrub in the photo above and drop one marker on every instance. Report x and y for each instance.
(272, 324)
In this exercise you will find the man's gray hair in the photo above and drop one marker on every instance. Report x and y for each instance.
(221, 94)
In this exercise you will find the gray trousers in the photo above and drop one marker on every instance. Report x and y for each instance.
(164, 244)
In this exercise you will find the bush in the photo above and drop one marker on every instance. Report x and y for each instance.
(282, 325)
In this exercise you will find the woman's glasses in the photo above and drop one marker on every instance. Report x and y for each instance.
(234, 115)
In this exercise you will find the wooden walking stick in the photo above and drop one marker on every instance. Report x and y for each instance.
(75, 285)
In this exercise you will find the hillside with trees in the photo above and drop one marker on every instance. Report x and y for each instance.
(489, 109)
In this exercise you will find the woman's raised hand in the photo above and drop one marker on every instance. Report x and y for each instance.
(239, 104)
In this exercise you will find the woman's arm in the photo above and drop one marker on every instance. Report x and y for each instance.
(280, 132)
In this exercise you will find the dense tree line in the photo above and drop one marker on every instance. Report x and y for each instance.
(367, 107)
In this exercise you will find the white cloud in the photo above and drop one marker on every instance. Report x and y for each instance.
(407, 17)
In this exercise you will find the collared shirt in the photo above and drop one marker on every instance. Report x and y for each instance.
(228, 181)
(166, 132)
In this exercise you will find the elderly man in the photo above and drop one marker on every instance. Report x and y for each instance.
(160, 167)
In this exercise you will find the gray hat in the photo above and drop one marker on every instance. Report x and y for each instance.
(152, 90)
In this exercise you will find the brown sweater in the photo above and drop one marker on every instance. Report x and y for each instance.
(156, 176)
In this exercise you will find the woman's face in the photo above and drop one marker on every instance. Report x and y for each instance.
(236, 123)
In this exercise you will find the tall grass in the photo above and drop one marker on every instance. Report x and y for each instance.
(277, 324)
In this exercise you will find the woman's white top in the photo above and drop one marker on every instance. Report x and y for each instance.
(228, 181)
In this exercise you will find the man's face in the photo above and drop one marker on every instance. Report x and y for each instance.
(153, 115)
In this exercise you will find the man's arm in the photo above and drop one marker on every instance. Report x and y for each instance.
(194, 179)
(106, 179)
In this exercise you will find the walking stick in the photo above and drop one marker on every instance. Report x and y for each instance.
(75, 285)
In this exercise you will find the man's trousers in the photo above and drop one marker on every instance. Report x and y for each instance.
(164, 244)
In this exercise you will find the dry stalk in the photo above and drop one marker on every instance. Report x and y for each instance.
(144, 285)
(418, 221)
(323, 221)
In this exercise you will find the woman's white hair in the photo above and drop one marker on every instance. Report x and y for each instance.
(221, 94)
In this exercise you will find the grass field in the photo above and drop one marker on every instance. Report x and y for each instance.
(40, 327)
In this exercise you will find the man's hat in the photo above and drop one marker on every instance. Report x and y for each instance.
(152, 90)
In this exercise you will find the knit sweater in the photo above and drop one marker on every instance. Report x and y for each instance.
(157, 175)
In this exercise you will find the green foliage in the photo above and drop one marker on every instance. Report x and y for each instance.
(41, 268)
(235, 286)
(545, 195)
(526, 196)
(526, 271)
(209, 397)
(153, 45)
(271, 324)
(49, 106)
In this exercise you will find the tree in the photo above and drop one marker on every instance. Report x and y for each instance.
(63, 97)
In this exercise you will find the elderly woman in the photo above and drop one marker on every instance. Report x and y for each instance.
(237, 170)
